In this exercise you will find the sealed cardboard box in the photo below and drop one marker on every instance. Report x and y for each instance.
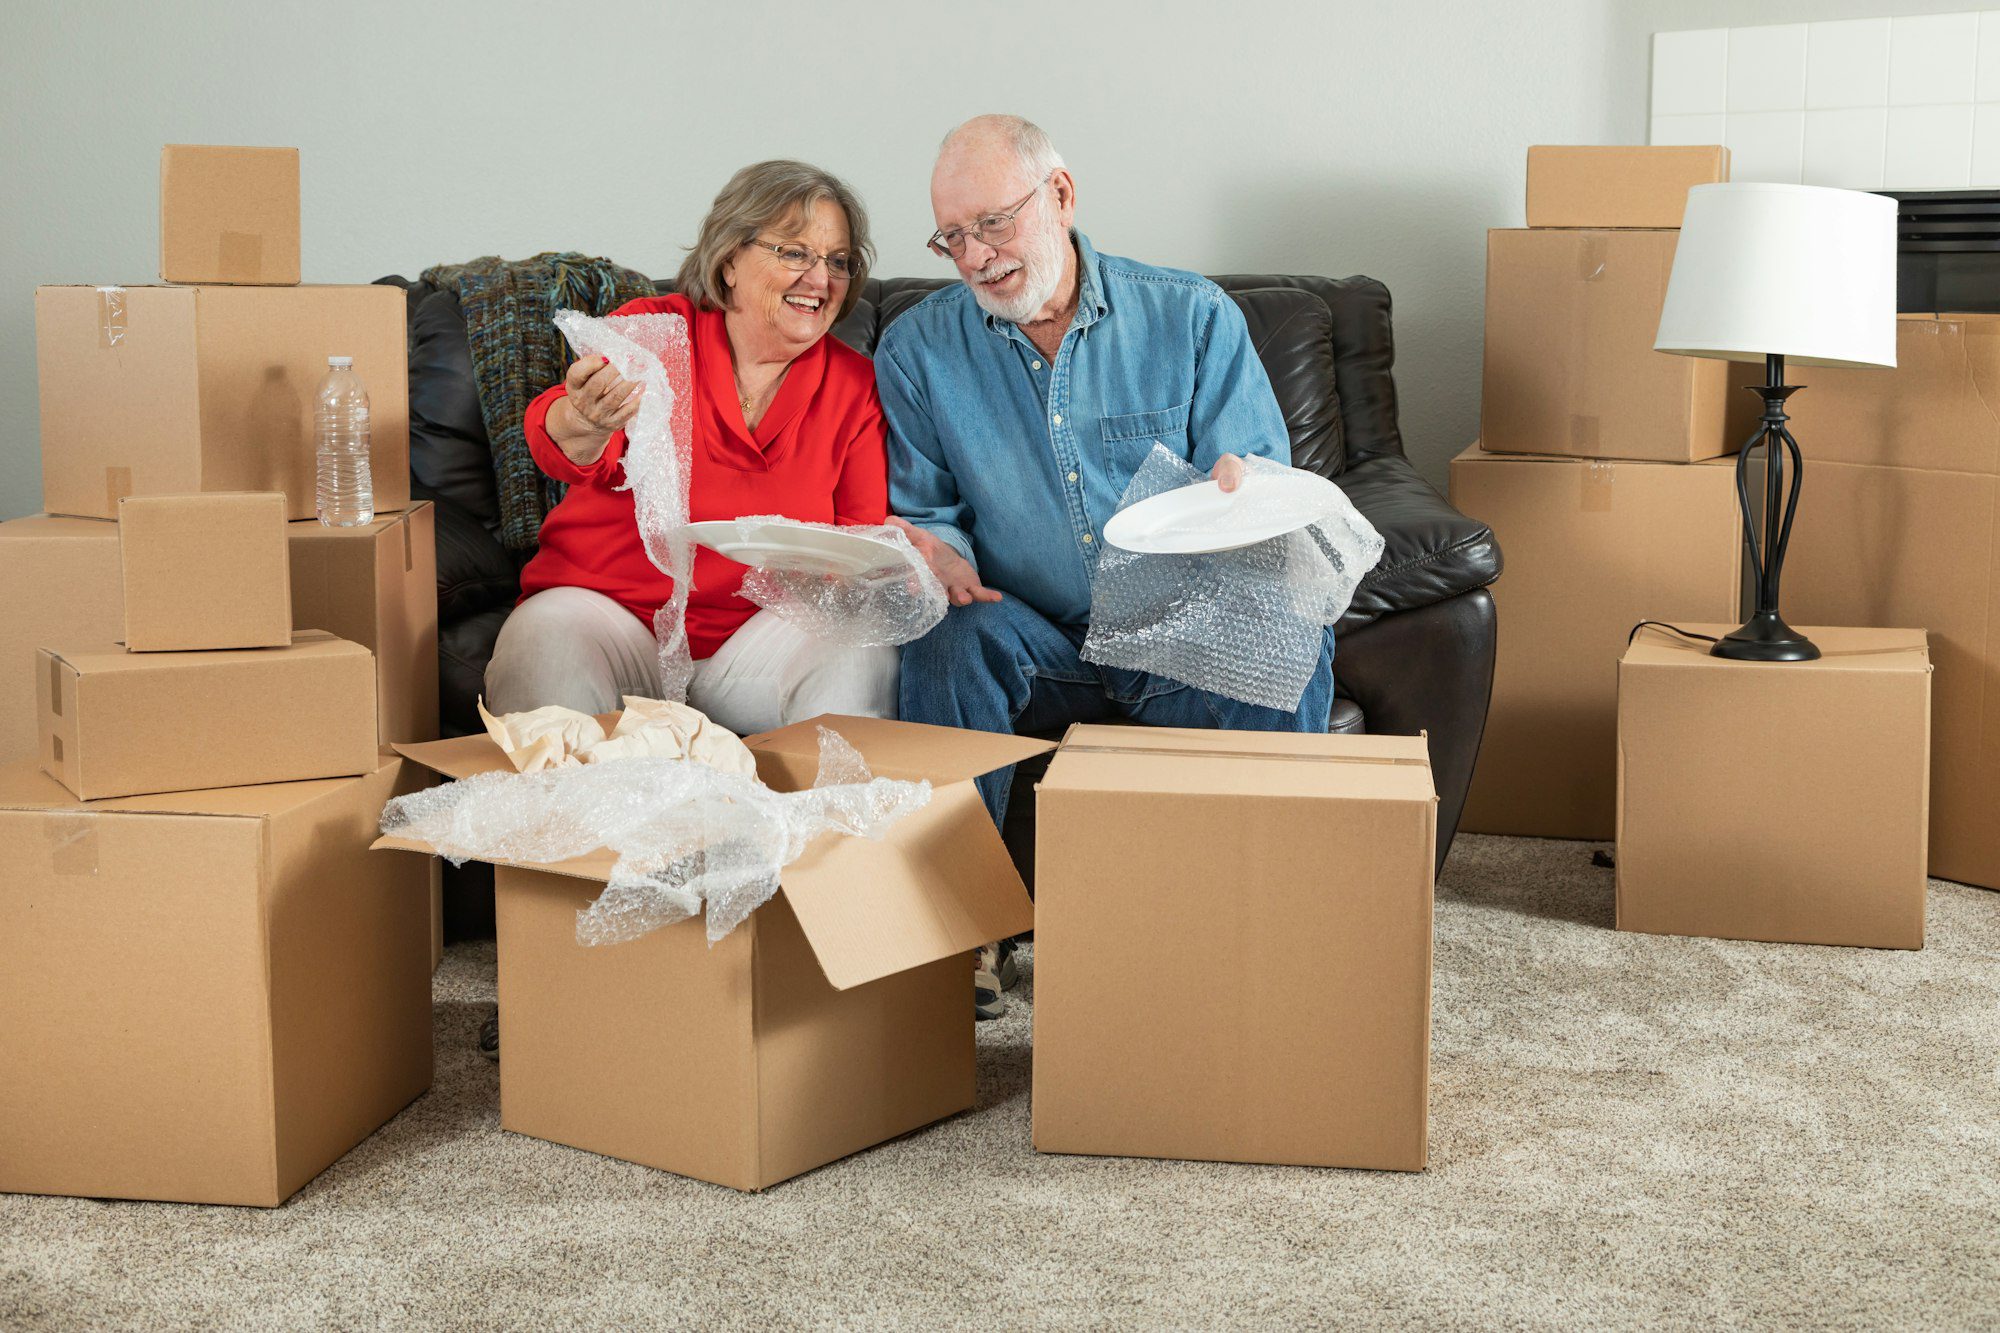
(1577, 185)
(1593, 548)
(1297, 869)
(59, 583)
(1899, 524)
(1570, 367)
(838, 1016)
(377, 586)
(205, 571)
(1783, 801)
(229, 215)
(209, 996)
(170, 390)
(121, 724)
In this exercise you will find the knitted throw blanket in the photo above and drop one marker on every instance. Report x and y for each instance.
(517, 353)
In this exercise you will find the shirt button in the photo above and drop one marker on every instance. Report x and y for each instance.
(1072, 476)
(1059, 418)
(1088, 539)
(1036, 365)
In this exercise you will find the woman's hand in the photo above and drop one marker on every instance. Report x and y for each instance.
(597, 404)
(954, 571)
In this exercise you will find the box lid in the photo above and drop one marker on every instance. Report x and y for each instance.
(24, 786)
(103, 659)
(939, 883)
(1242, 763)
(1841, 649)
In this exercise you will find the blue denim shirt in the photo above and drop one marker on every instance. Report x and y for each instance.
(1018, 462)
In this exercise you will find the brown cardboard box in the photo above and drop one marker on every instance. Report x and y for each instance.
(122, 724)
(1592, 548)
(229, 215)
(1297, 870)
(377, 586)
(205, 571)
(192, 1013)
(1782, 801)
(838, 1016)
(1899, 524)
(168, 390)
(59, 583)
(1570, 367)
(1605, 186)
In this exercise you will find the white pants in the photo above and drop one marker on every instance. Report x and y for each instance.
(580, 649)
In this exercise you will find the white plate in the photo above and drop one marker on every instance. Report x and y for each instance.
(787, 547)
(1200, 518)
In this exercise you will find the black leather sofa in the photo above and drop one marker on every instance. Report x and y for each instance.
(1414, 653)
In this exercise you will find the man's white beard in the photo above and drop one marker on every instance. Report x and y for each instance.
(1042, 270)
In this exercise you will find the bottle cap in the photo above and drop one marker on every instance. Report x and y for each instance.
(340, 361)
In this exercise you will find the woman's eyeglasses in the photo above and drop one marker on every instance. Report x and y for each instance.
(801, 258)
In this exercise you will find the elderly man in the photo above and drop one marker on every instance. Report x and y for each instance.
(1020, 402)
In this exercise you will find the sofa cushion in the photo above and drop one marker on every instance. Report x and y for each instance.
(449, 452)
(1364, 353)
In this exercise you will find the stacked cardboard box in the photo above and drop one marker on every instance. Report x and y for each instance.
(193, 1013)
(1602, 466)
(1899, 524)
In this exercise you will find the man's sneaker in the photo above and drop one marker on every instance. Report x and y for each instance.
(489, 1038)
(988, 998)
(1009, 969)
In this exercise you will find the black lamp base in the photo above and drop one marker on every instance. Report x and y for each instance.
(1766, 638)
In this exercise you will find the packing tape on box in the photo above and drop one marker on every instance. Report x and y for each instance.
(1596, 479)
(72, 839)
(409, 545)
(110, 316)
(239, 256)
(1592, 256)
(1245, 754)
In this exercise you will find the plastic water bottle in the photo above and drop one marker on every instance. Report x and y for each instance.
(346, 490)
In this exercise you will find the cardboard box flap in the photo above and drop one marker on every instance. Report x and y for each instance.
(900, 749)
(114, 657)
(24, 786)
(940, 884)
(1170, 759)
(1854, 650)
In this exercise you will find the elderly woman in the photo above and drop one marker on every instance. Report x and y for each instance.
(786, 421)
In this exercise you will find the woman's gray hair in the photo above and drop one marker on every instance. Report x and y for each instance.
(770, 194)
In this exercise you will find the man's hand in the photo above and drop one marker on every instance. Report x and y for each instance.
(954, 571)
(1228, 473)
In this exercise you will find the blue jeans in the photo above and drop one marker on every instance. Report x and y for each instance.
(1002, 666)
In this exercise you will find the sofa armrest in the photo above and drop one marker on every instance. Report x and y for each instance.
(1431, 551)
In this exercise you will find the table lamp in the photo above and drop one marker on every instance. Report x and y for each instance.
(1765, 272)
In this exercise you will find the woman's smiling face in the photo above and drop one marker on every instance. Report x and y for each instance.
(792, 309)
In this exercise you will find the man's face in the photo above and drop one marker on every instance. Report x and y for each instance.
(1014, 278)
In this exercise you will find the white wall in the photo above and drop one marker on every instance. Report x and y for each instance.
(1250, 135)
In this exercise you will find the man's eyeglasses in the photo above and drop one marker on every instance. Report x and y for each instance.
(801, 258)
(992, 230)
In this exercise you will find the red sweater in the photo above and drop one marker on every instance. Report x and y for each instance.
(818, 455)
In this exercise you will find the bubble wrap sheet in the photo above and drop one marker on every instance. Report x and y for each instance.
(892, 604)
(687, 836)
(1247, 624)
(654, 350)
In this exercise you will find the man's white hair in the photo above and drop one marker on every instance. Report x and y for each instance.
(1028, 141)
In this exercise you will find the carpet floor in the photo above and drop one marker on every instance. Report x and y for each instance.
(1626, 1131)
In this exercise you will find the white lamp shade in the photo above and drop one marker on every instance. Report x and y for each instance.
(1798, 270)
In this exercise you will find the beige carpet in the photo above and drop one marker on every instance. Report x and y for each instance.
(1626, 1131)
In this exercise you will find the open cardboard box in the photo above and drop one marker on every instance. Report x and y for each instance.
(838, 1016)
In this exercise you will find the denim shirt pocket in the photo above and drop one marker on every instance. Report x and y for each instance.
(1129, 437)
